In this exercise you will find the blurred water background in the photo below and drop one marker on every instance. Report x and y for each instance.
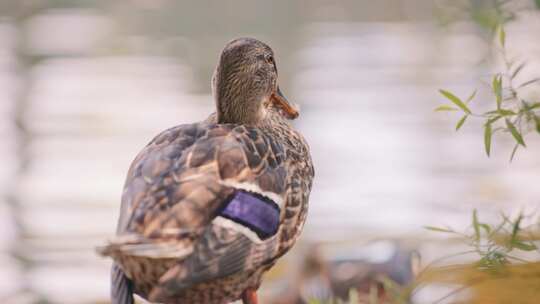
(84, 85)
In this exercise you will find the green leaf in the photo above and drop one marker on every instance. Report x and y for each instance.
(515, 132)
(486, 227)
(445, 108)
(487, 137)
(476, 225)
(502, 112)
(505, 112)
(515, 227)
(517, 70)
(438, 229)
(502, 36)
(516, 146)
(493, 260)
(494, 119)
(523, 246)
(471, 96)
(453, 98)
(461, 122)
(526, 83)
(534, 106)
(497, 89)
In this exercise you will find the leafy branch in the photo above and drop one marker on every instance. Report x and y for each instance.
(511, 114)
(487, 14)
(494, 243)
(498, 273)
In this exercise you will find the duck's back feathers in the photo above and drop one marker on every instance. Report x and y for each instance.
(182, 177)
(198, 188)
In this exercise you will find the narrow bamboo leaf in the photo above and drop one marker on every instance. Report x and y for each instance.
(471, 96)
(486, 227)
(487, 138)
(476, 225)
(516, 146)
(497, 89)
(505, 112)
(494, 119)
(523, 246)
(453, 98)
(537, 121)
(534, 106)
(461, 122)
(517, 70)
(502, 36)
(515, 132)
(445, 108)
(515, 227)
(438, 229)
(526, 83)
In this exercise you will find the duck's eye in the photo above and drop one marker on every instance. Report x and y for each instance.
(270, 59)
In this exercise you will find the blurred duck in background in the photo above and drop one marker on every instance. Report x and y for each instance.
(366, 272)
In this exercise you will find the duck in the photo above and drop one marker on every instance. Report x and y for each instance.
(380, 271)
(209, 207)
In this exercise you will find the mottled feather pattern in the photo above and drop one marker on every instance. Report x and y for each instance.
(208, 207)
(173, 191)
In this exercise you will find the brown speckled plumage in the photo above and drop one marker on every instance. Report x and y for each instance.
(169, 247)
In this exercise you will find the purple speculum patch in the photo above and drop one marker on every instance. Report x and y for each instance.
(256, 212)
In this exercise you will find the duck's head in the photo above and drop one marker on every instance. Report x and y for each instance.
(245, 83)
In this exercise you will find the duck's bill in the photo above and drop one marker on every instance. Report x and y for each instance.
(280, 101)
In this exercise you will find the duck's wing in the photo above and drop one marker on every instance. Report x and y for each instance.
(212, 190)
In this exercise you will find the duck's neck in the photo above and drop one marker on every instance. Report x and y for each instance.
(238, 103)
(268, 119)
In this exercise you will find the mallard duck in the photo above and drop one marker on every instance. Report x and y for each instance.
(209, 207)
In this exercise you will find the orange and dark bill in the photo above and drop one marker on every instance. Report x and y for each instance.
(281, 102)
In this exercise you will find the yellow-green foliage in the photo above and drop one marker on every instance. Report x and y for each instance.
(514, 283)
(499, 275)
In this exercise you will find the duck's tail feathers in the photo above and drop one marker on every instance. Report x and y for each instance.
(138, 246)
